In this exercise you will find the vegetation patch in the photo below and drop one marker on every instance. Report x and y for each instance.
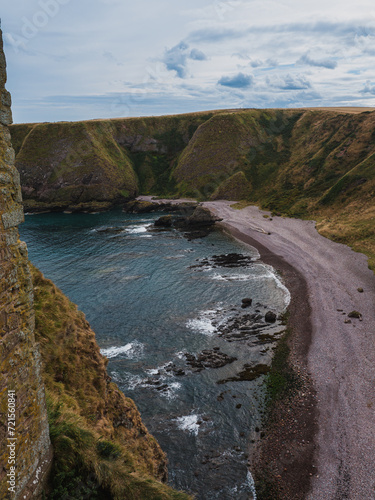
(102, 450)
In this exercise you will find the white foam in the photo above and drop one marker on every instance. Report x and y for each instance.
(251, 484)
(203, 324)
(235, 277)
(181, 354)
(133, 381)
(131, 350)
(189, 423)
(156, 371)
(170, 393)
(142, 228)
(279, 284)
(153, 371)
(246, 487)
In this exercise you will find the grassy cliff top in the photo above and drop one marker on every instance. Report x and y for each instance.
(314, 163)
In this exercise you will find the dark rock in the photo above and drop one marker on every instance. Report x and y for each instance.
(270, 317)
(249, 373)
(202, 217)
(209, 359)
(164, 221)
(360, 290)
(163, 387)
(226, 260)
(179, 373)
(139, 207)
(355, 314)
(109, 229)
(246, 303)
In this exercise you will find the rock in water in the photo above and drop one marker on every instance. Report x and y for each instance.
(270, 317)
(164, 221)
(246, 303)
(202, 217)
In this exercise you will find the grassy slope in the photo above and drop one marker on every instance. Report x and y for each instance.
(102, 448)
(305, 163)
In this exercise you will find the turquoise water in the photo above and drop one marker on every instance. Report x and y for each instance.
(150, 300)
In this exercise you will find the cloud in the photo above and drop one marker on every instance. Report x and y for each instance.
(290, 82)
(369, 88)
(239, 81)
(111, 58)
(327, 28)
(272, 62)
(176, 58)
(324, 63)
(256, 63)
(197, 55)
(214, 35)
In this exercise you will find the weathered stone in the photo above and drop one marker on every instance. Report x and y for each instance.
(6, 99)
(20, 364)
(164, 221)
(202, 217)
(13, 218)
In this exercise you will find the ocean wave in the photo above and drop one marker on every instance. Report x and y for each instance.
(235, 277)
(136, 229)
(204, 323)
(171, 392)
(158, 370)
(189, 423)
(130, 351)
(247, 487)
(279, 284)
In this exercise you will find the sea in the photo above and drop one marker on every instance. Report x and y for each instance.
(167, 311)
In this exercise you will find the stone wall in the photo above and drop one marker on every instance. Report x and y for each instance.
(20, 364)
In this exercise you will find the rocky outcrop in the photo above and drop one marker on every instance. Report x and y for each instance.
(83, 401)
(20, 362)
(49, 358)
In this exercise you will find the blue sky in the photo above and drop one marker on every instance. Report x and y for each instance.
(83, 59)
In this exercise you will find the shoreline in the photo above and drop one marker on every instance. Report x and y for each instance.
(272, 454)
(337, 356)
(286, 452)
(322, 438)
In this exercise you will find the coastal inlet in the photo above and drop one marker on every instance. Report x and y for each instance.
(188, 325)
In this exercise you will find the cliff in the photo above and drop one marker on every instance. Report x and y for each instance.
(303, 163)
(102, 448)
(53, 377)
(20, 361)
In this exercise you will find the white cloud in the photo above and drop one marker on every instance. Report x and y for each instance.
(173, 54)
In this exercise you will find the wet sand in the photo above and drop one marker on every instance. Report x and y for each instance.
(339, 352)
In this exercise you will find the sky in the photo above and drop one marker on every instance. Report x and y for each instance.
(83, 59)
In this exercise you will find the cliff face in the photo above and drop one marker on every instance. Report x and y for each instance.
(20, 362)
(305, 163)
(101, 447)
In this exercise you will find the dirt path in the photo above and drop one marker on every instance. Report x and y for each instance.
(341, 356)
